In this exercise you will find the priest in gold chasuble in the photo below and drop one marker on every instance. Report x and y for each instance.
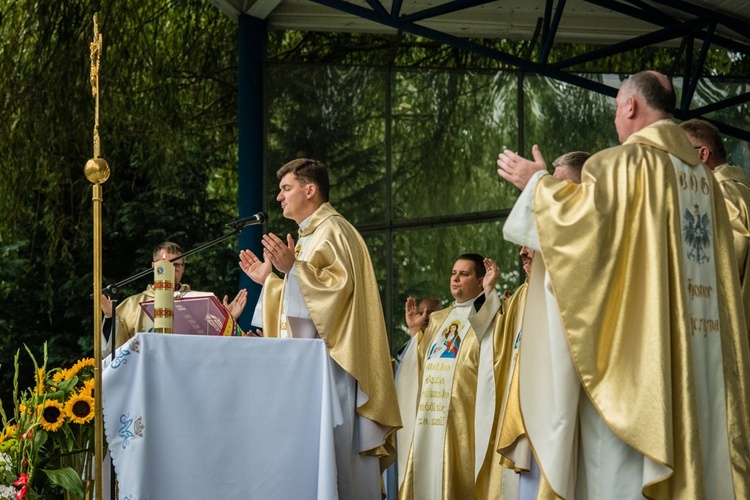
(132, 318)
(633, 369)
(454, 366)
(329, 291)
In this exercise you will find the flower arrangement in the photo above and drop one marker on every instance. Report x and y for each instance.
(49, 439)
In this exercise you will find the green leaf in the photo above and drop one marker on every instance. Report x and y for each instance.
(67, 478)
(66, 385)
(40, 437)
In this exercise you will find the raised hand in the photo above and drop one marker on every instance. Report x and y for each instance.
(414, 319)
(492, 273)
(237, 305)
(106, 306)
(279, 253)
(257, 269)
(518, 170)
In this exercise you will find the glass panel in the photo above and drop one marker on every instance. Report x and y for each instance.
(448, 128)
(738, 153)
(335, 115)
(561, 118)
(710, 91)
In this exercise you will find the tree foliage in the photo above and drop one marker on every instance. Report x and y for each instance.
(168, 129)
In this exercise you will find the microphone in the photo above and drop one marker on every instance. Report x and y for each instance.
(253, 220)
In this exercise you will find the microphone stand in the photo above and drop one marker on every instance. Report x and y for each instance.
(112, 290)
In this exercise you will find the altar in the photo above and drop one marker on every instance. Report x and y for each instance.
(190, 416)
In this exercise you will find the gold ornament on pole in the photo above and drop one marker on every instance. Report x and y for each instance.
(97, 171)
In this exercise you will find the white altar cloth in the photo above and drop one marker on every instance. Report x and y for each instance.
(195, 417)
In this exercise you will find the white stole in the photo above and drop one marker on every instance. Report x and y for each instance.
(483, 323)
(699, 264)
(434, 406)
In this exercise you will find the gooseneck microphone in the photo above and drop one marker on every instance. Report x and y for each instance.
(253, 220)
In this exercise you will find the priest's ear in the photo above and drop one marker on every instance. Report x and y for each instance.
(631, 106)
(311, 190)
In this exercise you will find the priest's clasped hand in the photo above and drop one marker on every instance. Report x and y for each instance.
(518, 170)
(279, 253)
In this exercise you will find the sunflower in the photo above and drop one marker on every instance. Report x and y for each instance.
(80, 408)
(52, 415)
(80, 365)
(88, 387)
(60, 375)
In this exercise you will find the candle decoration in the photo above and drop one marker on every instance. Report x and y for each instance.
(163, 296)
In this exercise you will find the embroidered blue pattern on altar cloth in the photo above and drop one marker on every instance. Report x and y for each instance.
(120, 359)
(126, 433)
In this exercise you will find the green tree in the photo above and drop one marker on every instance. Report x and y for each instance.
(168, 129)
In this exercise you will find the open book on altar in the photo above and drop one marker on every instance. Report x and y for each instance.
(203, 315)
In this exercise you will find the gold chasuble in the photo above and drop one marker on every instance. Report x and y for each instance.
(338, 284)
(640, 261)
(736, 189)
(450, 450)
(510, 424)
(492, 481)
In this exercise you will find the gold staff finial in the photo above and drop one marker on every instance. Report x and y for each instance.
(96, 53)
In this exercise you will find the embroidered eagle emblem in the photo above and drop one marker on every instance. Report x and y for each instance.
(696, 233)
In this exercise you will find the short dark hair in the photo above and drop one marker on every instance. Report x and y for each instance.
(707, 135)
(478, 261)
(656, 95)
(306, 171)
(166, 247)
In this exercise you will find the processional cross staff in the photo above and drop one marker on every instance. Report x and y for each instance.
(97, 171)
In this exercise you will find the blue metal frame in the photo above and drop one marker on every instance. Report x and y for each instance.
(251, 54)
(702, 25)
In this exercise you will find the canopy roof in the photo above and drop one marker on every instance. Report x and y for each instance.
(583, 21)
(615, 26)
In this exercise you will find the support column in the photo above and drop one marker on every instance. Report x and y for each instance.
(251, 54)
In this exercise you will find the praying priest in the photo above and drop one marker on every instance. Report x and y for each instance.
(329, 291)
(447, 389)
(131, 317)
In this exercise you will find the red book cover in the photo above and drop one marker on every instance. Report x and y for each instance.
(203, 315)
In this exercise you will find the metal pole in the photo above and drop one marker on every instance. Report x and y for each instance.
(97, 171)
(252, 41)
